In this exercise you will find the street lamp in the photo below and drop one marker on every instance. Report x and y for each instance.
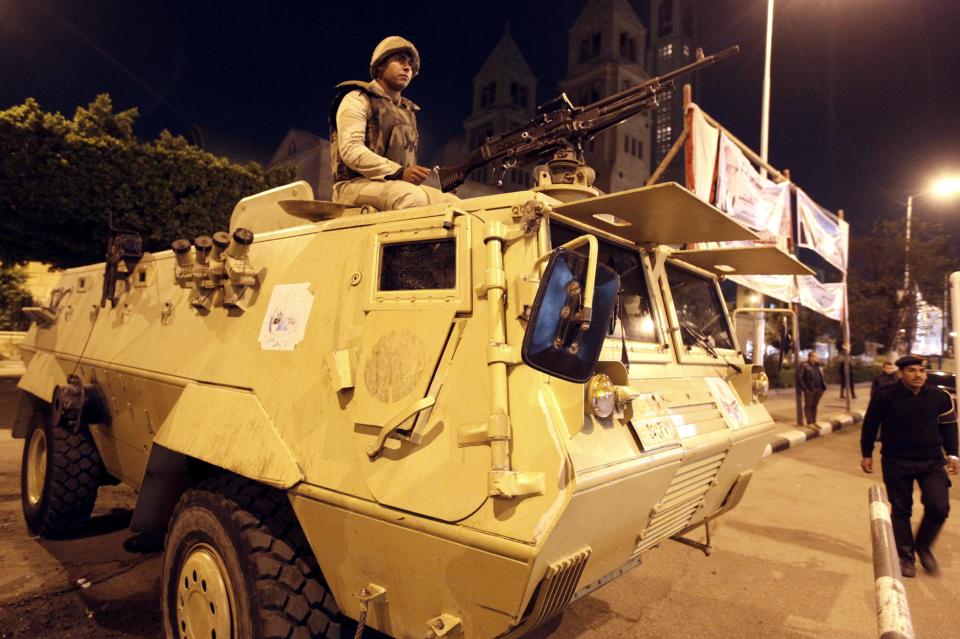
(942, 188)
(765, 103)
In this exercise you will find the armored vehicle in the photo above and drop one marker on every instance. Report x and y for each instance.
(450, 420)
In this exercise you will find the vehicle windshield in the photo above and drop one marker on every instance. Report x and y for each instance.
(703, 321)
(636, 308)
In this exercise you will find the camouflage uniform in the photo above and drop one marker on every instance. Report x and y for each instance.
(372, 139)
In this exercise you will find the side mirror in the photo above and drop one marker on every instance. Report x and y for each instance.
(561, 340)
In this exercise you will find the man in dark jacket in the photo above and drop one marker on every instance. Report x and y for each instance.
(890, 375)
(919, 425)
(812, 386)
(846, 373)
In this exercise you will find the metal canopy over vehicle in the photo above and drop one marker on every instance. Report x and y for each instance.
(744, 260)
(658, 214)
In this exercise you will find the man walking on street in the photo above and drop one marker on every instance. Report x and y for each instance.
(812, 386)
(919, 425)
(887, 377)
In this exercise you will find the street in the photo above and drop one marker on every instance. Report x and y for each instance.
(793, 560)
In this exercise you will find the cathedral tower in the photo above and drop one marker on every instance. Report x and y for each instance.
(504, 98)
(606, 48)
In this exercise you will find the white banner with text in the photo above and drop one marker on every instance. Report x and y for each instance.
(823, 232)
(746, 196)
(700, 154)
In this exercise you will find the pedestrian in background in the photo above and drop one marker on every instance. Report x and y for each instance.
(890, 375)
(919, 426)
(812, 385)
(846, 373)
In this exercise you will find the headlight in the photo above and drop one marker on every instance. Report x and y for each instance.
(602, 396)
(761, 385)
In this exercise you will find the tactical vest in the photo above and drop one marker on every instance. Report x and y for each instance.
(391, 129)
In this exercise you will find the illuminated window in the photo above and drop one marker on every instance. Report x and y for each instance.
(665, 52)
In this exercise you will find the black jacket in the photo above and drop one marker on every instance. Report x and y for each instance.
(920, 426)
(811, 377)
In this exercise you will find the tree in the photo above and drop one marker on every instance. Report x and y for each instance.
(13, 297)
(62, 178)
(876, 307)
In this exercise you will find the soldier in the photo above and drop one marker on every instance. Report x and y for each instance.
(373, 135)
(919, 426)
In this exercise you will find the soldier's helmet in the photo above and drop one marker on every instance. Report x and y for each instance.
(390, 45)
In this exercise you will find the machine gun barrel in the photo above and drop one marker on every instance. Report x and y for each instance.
(561, 124)
(655, 83)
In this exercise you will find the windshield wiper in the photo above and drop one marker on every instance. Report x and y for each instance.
(703, 342)
(699, 338)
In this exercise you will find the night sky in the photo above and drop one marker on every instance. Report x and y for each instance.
(865, 107)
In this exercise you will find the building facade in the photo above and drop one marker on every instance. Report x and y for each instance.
(672, 37)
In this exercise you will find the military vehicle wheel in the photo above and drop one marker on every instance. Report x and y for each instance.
(59, 477)
(237, 565)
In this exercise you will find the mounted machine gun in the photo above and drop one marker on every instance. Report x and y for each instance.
(559, 129)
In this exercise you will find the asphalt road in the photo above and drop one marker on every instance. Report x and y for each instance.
(793, 560)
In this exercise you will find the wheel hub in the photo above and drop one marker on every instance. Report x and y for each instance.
(204, 596)
(36, 465)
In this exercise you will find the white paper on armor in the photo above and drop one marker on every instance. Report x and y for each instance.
(822, 231)
(285, 323)
(702, 153)
(826, 299)
(727, 401)
(746, 196)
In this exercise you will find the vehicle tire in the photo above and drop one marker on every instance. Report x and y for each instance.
(59, 477)
(237, 565)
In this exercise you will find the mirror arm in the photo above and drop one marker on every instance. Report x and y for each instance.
(586, 310)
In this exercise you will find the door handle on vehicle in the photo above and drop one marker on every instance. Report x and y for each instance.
(391, 426)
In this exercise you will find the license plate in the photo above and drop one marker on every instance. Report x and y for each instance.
(655, 434)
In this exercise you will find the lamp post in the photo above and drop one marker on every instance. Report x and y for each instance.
(765, 105)
(942, 188)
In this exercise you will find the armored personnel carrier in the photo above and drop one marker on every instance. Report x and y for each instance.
(451, 420)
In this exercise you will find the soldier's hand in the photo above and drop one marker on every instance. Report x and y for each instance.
(866, 464)
(415, 174)
(953, 465)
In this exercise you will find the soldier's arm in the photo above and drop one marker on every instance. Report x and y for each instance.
(871, 423)
(947, 419)
(352, 117)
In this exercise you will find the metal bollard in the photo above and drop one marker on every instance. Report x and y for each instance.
(893, 613)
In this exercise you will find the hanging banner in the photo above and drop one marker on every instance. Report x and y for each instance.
(823, 232)
(746, 196)
(700, 154)
(779, 287)
(826, 299)
(927, 339)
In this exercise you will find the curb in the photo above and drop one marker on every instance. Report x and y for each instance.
(802, 434)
